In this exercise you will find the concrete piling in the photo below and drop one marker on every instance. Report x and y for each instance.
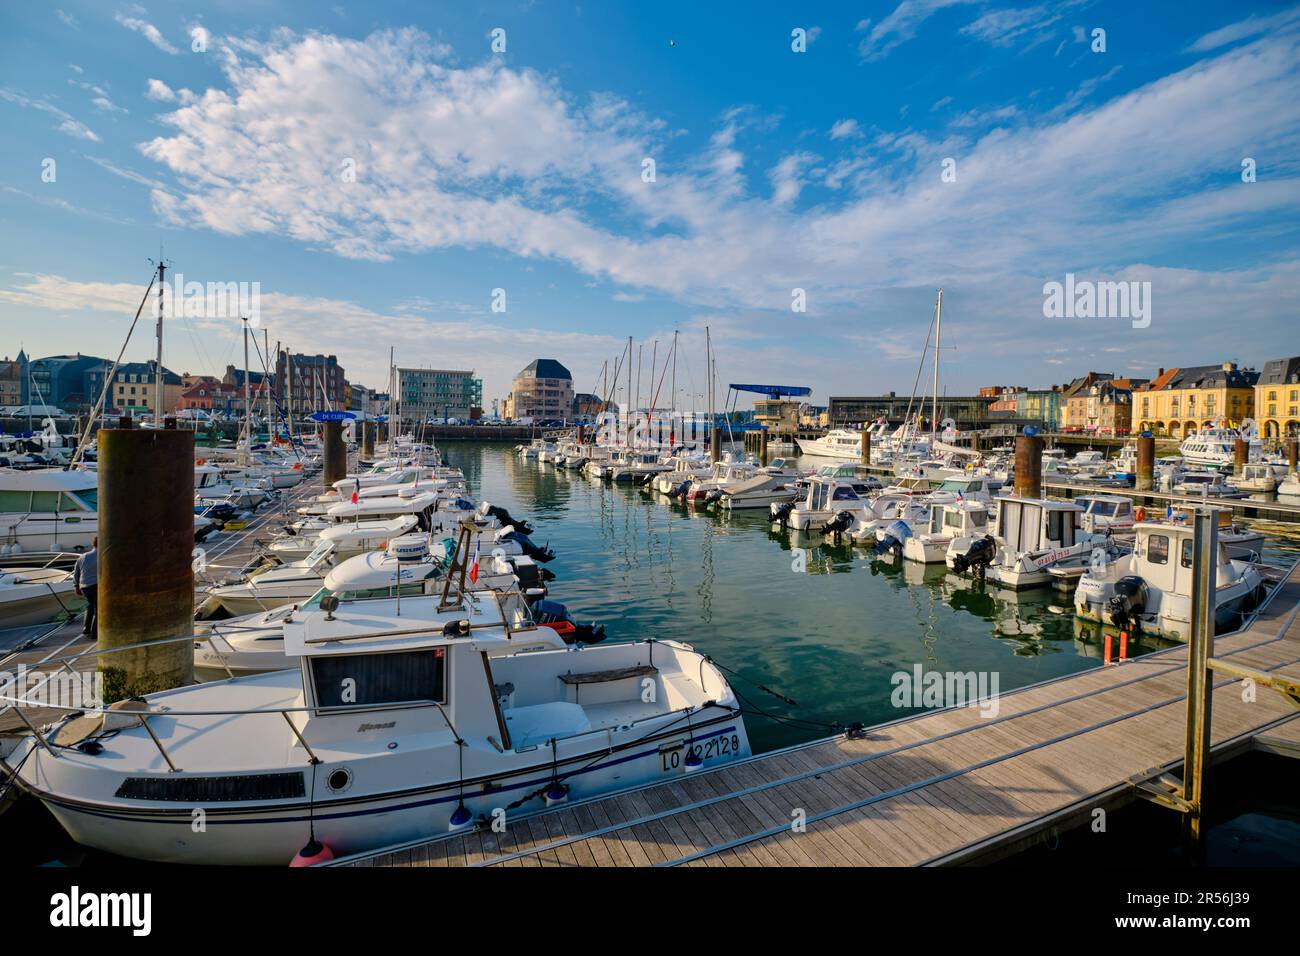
(146, 571)
(1029, 466)
(1146, 462)
(334, 453)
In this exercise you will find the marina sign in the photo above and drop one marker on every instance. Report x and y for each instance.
(332, 416)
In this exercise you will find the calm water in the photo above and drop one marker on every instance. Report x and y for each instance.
(829, 639)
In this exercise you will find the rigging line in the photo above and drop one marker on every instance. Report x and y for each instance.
(108, 379)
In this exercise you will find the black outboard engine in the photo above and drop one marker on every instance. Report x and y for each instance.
(712, 496)
(529, 575)
(533, 551)
(842, 522)
(1129, 601)
(977, 558)
(889, 543)
(555, 615)
(782, 511)
(523, 527)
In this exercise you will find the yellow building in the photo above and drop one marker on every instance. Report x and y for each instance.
(135, 389)
(1181, 401)
(1277, 398)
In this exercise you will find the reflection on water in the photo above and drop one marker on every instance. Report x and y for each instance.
(821, 622)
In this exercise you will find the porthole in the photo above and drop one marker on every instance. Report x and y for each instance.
(339, 780)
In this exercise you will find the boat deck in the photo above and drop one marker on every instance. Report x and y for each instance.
(944, 787)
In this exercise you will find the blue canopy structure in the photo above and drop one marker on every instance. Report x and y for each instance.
(775, 391)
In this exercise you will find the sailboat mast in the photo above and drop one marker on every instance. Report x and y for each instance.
(708, 378)
(627, 397)
(938, 337)
(158, 372)
(672, 414)
(248, 407)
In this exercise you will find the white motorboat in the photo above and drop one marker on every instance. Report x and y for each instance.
(282, 584)
(48, 510)
(1031, 536)
(1206, 484)
(929, 543)
(1216, 447)
(637, 465)
(389, 730)
(1256, 478)
(980, 488)
(725, 474)
(836, 443)
(1150, 589)
(771, 484)
(1105, 513)
(681, 469)
(349, 538)
(1290, 485)
(35, 595)
(210, 488)
(826, 498)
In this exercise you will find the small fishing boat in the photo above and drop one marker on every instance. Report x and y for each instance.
(1256, 478)
(929, 545)
(388, 730)
(771, 484)
(1150, 589)
(1031, 536)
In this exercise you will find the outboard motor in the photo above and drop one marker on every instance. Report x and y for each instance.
(506, 519)
(555, 615)
(842, 522)
(782, 511)
(1129, 601)
(977, 558)
(678, 489)
(712, 496)
(529, 575)
(533, 551)
(892, 538)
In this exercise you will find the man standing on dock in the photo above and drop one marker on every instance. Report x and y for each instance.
(85, 579)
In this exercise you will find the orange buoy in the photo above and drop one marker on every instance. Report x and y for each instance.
(314, 852)
(202, 461)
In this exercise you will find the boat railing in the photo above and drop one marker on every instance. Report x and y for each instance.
(18, 704)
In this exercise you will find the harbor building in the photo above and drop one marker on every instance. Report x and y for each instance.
(317, 383)
(544, 389)
(434, 394)
(135, 389)
(1181, 401)
(1277, 398)
(13, 380)
(69, 381)
(968, 411)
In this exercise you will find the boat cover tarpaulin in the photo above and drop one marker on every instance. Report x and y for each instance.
(776, 391)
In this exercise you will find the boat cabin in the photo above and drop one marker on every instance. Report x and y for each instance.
(1101, 512)
(1033, 524)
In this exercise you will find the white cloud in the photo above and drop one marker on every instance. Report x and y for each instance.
(67, 18)
(899, 27)
(490, 156)
(1252, 26)
(67, 124)
(128, 174)
(148, 31)
(107, 105)
(845, 129)
(160, 92)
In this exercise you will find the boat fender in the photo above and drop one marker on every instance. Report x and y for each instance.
(313, 853)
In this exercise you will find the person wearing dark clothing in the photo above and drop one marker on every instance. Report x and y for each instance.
(85, 579)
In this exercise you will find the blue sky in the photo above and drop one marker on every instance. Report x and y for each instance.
(775, 170)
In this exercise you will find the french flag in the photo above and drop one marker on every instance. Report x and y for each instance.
(356, 492)
(473, 569)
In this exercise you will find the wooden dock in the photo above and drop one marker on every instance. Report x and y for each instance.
(944, 787)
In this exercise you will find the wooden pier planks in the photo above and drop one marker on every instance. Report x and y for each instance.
(945, 787)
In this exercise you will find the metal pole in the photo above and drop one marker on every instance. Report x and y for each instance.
(158, 372)
(1200, 648)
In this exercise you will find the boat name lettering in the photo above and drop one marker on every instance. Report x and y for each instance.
(388, 726)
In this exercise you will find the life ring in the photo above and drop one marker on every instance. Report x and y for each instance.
(202, 461)
(1140, 514)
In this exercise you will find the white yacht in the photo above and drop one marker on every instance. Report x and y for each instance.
(1216, 447)
(725, 474)
(836, 443)
(210, 487)
(1205, 483)
(1151, 588)
(48, 510)
(349, 538)
(389, 730)
(681, 469)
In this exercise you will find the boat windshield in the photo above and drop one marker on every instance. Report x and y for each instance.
(1104, 508)
(318, 553)
(89, 497)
